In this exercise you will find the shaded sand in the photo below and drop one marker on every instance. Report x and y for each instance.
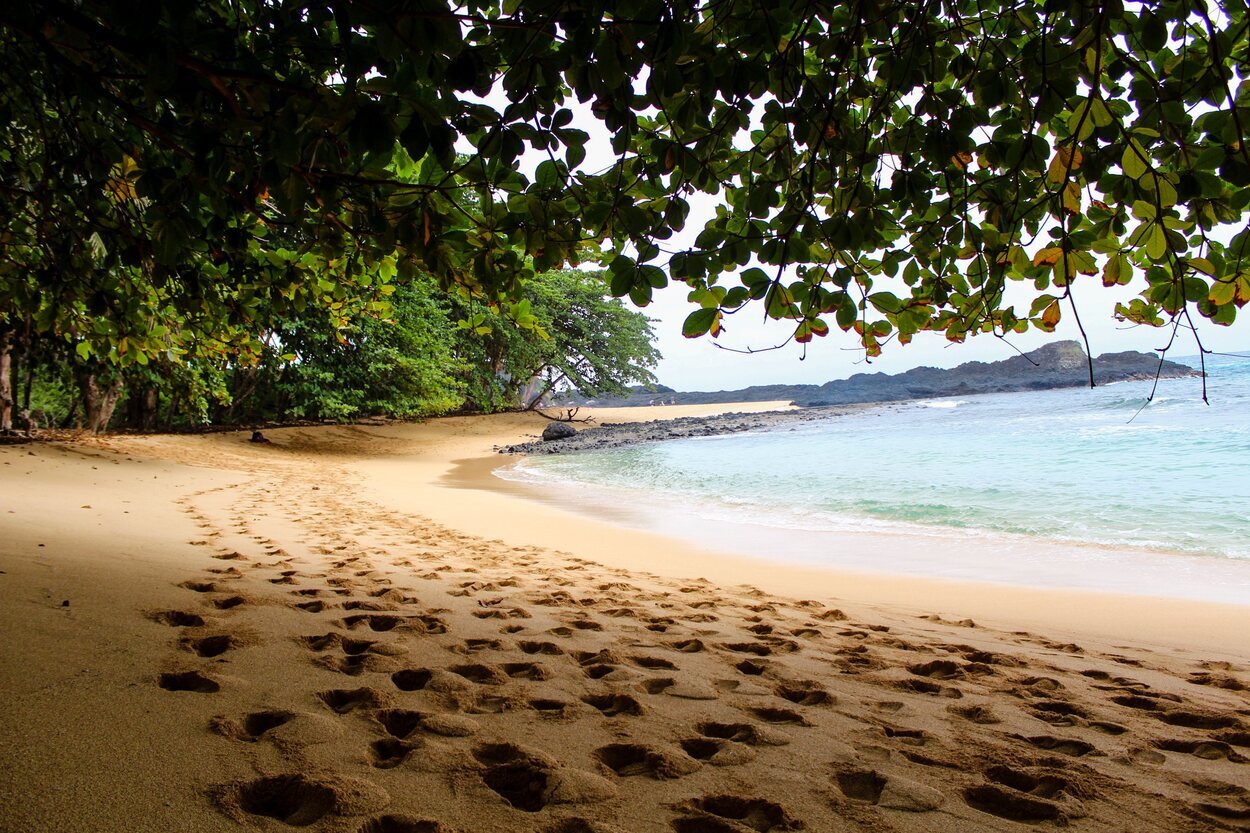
(323, 634)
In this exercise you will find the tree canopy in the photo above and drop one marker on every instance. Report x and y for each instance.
(173, 173)
(433, 353)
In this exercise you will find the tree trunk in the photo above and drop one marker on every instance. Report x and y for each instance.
(142, 409)
(98, 400)
(6, 381)
(30, 381)
(536, 401)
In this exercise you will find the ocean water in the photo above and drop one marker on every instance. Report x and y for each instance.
(1075, 487)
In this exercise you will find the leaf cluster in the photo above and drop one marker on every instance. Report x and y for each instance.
(884, 168)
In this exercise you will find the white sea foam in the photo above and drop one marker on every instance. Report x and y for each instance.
(1010, 474)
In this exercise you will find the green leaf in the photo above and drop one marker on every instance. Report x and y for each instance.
(1081, 122)
(1156, 242)
(1223, 292)
(699, 322)
(1117, 271)
(1203, 265)
(1133, 161)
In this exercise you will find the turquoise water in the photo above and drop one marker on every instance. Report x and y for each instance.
(1076, 467)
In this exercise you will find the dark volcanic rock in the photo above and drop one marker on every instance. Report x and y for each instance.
(558, 431)
(615, 435)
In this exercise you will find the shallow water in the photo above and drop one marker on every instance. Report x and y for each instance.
(1087, 476)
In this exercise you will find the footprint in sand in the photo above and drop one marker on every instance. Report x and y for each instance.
(1064, 746)
(374, 621)
(717, 752)
(387, 753)
(768, 714)
(549, 648)
(1058, 713)
(520, 778)
(913, 737)
(627, 759)
(526, 671)
(1224, 681)
(805, 693)
(353, 665)
(480, 674)
(1039, 784)
(613, 705)
(177, 618)
(891, 792)
(709, 814)
(498, 613)
(344, 701)
(746, 733)
(188, 681)
(756, 648)
(653, 663)
(210, 646)
(1211, 750)
(253, 726)
(549, 708)
(1010, 804)
(473, 646)
(1198, 720)
(927, 687)
(938, 669)
(299, 800)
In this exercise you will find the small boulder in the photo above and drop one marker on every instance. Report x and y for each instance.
(558, 431)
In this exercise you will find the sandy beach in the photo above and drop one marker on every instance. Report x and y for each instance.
(358, 629)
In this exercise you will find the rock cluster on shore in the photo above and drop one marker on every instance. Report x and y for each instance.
(615, 435)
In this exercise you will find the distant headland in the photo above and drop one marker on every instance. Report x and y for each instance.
(1062, 364)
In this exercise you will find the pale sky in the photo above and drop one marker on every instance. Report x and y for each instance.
(697, 364)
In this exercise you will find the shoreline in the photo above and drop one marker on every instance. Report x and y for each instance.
(514, 512)
(327, 632)
(981, 556)
(731, 420)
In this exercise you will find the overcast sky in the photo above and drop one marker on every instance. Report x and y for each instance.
(698, 364)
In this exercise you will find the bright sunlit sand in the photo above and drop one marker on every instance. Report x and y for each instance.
(356, 622)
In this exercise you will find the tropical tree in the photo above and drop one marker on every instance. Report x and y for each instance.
(884, 167)
(315, 368)
(575, 339)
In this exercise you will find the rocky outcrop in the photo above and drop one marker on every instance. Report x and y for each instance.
(558, 431)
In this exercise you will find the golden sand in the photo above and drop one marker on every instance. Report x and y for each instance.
(347, 630)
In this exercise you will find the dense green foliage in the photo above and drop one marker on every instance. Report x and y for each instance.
(425, 359)
(178, 178)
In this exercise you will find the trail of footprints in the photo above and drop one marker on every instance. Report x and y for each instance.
(425, 637)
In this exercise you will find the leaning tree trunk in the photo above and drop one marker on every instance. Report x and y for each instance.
(6, 380)
(98, 401)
